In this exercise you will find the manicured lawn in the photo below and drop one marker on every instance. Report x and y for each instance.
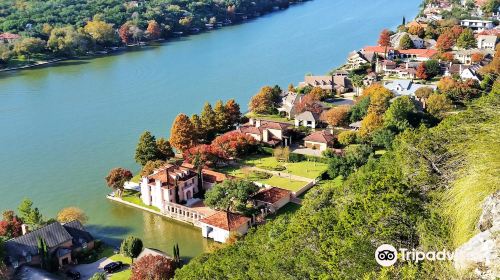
(136, 178)
(284, 183)
(307, 169)
(134, 197)
(270, 117)
(122, 275)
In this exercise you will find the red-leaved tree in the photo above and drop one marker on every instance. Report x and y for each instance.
(421, 72)
(385, 38)
(202, 153)
(153, 268)
(11, 225)
(233, 144)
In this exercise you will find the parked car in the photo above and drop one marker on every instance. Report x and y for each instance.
(113, 267)
(72, 274)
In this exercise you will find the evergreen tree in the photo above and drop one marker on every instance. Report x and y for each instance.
(146, 149)
(198, 128)
(406, 42)
(466, 40)
(222, 118)
(208, 122)
(164, 149)
(29, 215)
(131, 247)
(233, 109)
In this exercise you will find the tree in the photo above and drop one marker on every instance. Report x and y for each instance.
(198, 131)
(379, 100)
(152, 267)
(203, 153)
(477, 57)
(131, 247)
(384, 39)
(66, 41)
(182, 135)
(29, 46)
(318, 93)
(153, 32)
(70, 214)
(459, 91)
(347, 137)
(10, 225)
(357, 82)
(151, 166)
(282, 154)
(421, 72)
(102, 32)
(209, 122)
(233, 144)
(370, 123)
(30, 215)
(417, 29)
(400, 113)
(232, 194)
(265, 101)
(383, 138)
(466, 39)
(432, 68)
(146, 149)
(310, 102)
(445, 41)
(164, 149)
(406, 43)
(99, 276)
(337, 116)
(360, 109)
(117, 178)
(355, 156)
(447, 56)
(125, 33)
(222, 118)
(423, 93)
(233, 110)
(438, 105)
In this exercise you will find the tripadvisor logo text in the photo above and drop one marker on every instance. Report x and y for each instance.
(387, 255)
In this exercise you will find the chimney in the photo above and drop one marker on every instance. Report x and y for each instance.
(25, 229)
(257, 123)
(251, 120)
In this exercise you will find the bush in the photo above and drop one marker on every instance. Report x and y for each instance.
(260, 175)
(347, 137)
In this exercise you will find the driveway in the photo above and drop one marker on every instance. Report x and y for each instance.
(87, 270)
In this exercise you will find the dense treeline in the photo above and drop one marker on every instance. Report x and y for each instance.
(410, 197)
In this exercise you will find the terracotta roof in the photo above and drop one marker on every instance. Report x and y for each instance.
(419, 52)
(226, 220)
(209, 175)
(322, 136)
(274, 125)
(377, 49)
(9, 36)
(248, 129)
(271, 195)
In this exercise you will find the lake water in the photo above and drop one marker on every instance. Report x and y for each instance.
(62, 128)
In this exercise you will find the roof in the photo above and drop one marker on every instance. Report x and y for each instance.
(54, 234)
(355, 124)
(78, 232)
(377, 49)
(271, 195)
(226, 220)
(488, 39)
(322, 136)
(9, 36)
(274, 125)
(209, 175)
(308, 116)
(168, 173)
(405, 87)
(248, 129)
(153, 252)
(419, 52)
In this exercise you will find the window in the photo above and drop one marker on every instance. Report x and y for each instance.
(84, 245)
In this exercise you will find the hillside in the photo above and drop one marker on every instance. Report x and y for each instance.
(425, 193)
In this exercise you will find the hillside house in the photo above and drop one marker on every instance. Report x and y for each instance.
(477, 25)
(487, 42)
(268, 132)
(220, 225)
(320, 140)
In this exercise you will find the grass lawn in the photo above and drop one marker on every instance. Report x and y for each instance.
(122, 275)
(307, 169)
(289, 208)
(134, 197)
(284, 183)
(276, 118)
(136, 178)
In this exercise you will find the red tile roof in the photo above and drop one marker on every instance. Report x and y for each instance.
(272, 195)
(9, 36)
(377, 49)
(226, 220)
(209, 175)
(419, 52)
(322, 136)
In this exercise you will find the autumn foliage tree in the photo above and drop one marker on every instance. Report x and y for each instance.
(203, 153)
(458, 90)
(10, 225)
(234, 113)
(477, 57)
(152, 267)
(438, 105)
(417, 29)
(310, 102)
(103, 33)
(70, 214)
(445, 41)
(421, 72)
(384, 39)
(124, 33)
(265, 101)
(337, 116)
(151, 166)
(117, 178)
(234, 144)
(370, 123)
(182, 136)
(153, 32)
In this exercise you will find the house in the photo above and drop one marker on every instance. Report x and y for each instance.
(384, 52)
(320, 140)
(63, 242)
(152, 252)
(418, 43)
(209, 177)
(465, 56)
(268, 132)
(356, 59)
(471, 73)
(9, 38)
(289, 101)
(272, 198)
(336, 83)
(370, 78)
(220, 225)
(404, 87)
(159, 188)
(477, 25)
(307, 119)
(385, 66)
(487, 42)
(430, 43)
(355, 125)
(416, 54)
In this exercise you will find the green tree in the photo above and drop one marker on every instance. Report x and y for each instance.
(30, 215)
(165, 150)
(209, 122)
(355, 157)
(347, 137)
(466, 40)
(146, 149)
(360, 109)
(198, 130)
(230, 195)
(222, 118)
(99, 276)
(131, 247)
(400, 113)
(432, 68)
(66, 41)
(406, 43)
(29, 46)
(383, 138)
(438, 105)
